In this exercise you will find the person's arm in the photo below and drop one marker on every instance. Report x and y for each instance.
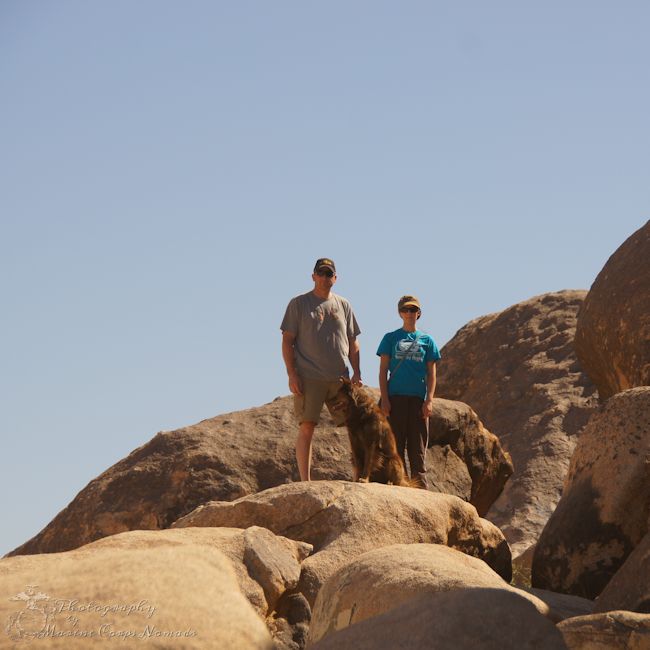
(384, 363)
(427, 407)
(354, 356)
(288, 340)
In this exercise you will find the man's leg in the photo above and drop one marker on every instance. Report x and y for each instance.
(303, 449)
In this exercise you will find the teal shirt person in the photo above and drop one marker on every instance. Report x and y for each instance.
(409, 353)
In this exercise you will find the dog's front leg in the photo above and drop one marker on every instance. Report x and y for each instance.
(370, 459)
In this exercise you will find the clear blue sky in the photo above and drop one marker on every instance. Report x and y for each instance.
(170, 171)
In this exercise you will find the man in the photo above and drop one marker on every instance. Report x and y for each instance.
(410, 356)
(319, 334)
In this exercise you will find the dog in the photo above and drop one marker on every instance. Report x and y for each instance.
(372, 441)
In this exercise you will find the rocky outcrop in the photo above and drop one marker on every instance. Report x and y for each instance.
(489, 619)
(227, 457)
(221, 458)
(455, 424)
(170, 595)
(613, 332)
(518, 371)
(609, 631)
(383, 579)
(629, 589)
(603, 513)
(265, 564)
(341, 520)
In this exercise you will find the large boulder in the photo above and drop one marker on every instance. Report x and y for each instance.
(266, 565)
(518, 371)
(464, 619)
(384, 578)
(176, 595)
(218, 459)
(613, 333)
(341, 520)
(457, 426)
(603, 513)
(629, 589)
(222, 459)
(618, 630)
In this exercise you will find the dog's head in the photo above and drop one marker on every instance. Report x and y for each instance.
(348, 395)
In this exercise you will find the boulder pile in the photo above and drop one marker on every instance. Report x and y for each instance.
(539, 461)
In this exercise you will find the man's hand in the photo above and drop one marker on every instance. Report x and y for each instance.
(427, 409)
(295, 385)
(356, 379)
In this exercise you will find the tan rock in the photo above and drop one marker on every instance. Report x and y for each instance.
(455, 424)
(464, 619)
(518, 371)
(343, 519)
(166, 596)
(265, 564)
(629, 589)
(447, 473)
(613, 332)
(220, 458)
(217, 459)
(380, 580)
(562, 606)
(603, 513)
(607, 631)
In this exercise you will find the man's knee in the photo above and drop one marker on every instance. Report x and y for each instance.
(306, 431)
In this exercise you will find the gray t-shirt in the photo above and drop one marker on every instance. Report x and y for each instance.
(322, 329)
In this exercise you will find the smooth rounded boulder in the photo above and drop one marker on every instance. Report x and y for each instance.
(613, 332)
(169, 596)
(603, 513)
(341, 520)
(382, 579)
(464, 619)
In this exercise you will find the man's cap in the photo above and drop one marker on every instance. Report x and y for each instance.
(324, 263)
(408, 301)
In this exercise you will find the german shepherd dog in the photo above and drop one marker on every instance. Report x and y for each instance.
(374, 452)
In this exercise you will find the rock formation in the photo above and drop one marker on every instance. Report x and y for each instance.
(382, 579)
(341, 520)
(611, 631)
(629, 589)
(489, 467)
(518, 371)
(167, 595)
(489, 619)
(613, 332)
(603, 513)
(242, 453)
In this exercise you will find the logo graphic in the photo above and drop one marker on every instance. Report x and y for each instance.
(34, 618)
(46, 617)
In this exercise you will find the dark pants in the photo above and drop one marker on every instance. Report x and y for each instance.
(411, 433)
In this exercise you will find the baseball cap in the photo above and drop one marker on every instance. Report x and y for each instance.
(324, 262)
(406, 301)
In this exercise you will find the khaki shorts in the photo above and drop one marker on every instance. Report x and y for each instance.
(315, 393)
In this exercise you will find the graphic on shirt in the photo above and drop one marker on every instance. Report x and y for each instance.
(407, 349)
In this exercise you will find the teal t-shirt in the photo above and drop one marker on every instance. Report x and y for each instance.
(411, 376)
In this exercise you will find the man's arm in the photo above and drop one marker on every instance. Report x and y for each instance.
(427, 407)
(354, 356)
(288, 340)
(384, 363)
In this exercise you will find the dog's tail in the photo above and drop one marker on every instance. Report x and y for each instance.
(397, 474)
